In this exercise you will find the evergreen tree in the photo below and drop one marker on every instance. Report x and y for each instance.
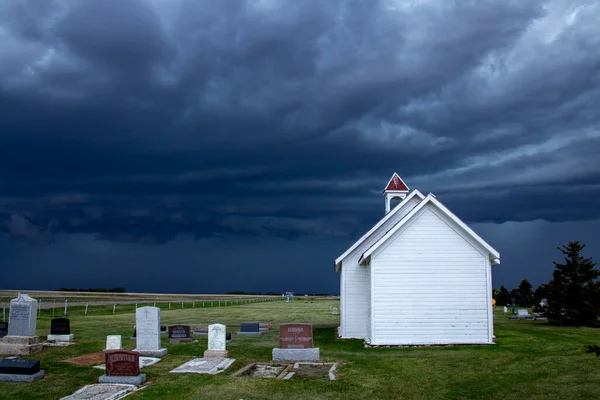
(574, 291)
(524, 294)
(503, 296)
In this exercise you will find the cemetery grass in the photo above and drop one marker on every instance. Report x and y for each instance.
(530, 360)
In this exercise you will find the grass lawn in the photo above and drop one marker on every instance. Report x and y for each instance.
(531, 360)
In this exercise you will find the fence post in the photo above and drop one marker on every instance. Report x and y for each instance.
(66, 306)
(114, 307)
(86, 308)
(194, 304)
(182, 305)
(53, 307)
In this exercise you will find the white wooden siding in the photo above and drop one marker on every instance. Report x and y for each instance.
(355, 284)
(431, 285)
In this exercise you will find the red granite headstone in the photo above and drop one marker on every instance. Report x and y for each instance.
(122, 363)
(295, 336)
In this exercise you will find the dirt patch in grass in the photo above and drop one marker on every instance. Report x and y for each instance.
(312, 371)
(88, 359)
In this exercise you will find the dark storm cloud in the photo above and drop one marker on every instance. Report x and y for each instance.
(140, 121)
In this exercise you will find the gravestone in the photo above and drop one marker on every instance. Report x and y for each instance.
(21, 339)
(60, 330)
(334, 311)
(122, 366)
(216, 341)
(505, 309)
(16, 370)
(163, 330)
(250, 328)
(180, 334)
(201, 331)
(3, 329)
(147, 321)
(264, 326)
(296, 343)
(113, 342)
(102, 391)
(204, 366)
(228, 337)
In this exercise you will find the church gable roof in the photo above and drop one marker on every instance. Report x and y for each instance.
(430, 199)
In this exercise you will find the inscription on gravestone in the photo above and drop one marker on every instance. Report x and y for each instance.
(113, 342)
(20, 367)
(295, 336)
(147, 323)
(3, 329)
(122, 363)
(60, 326)
(180, 333)
(249, 327)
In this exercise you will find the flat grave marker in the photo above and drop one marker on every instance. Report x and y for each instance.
(23, 371)
(250, 328)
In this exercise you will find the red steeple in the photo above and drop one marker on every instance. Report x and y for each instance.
(396, 183)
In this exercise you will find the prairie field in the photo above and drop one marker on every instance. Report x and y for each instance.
(530, 360)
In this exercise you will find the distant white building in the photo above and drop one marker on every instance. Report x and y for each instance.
(419, 276)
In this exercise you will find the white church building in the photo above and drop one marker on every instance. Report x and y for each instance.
(419, 276)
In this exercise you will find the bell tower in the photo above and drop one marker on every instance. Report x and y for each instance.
(395, 189)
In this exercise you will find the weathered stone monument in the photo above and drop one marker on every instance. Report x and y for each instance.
(216, 341)
(147, 321)
(60, 330)
(180, 334)
(21, 339)
(123, 367)
(296, 343)
(113, 342)
(15, 370)
(250, 328)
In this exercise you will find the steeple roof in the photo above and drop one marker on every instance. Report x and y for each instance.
(396, 184)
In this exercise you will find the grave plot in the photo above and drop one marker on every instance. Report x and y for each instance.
(103, 391)
(310, 370)
(264, 370)
(204, 366)
(144, 362)
(88, 359)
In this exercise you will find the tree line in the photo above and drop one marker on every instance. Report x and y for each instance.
(572, 296)
(102, 290)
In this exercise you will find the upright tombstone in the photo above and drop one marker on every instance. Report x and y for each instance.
(3, 329)
(147, 321)
(113, 342)
(180, 334)
(216, 341)
(60, 330)
(21, 339)
(250, 328)
(123, 367)
(296, 344)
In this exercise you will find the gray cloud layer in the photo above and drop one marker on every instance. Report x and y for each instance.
(142, 120)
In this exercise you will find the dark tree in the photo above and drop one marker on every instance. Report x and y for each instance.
(524, 294)
(541, 292)
(503, 296)
(574, 292)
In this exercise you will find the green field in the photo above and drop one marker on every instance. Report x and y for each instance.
(531, 360)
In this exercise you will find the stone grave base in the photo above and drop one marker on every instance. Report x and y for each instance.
(128, 380)
(264, 370)
(144, 362)
(57, 344)
(181, 340)
(20, 346)
(102, 391)
(249, 333)
(61, 338)
(205, 366)
(21, 377)
(152, 353)
(216, 354)
(312, 354)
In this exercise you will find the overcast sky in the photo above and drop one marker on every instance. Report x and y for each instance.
(210, 146)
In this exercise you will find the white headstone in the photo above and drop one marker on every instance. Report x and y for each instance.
(523, 313)
(113, 342)
(147, 321)
(23, 314)
(334, 310)
(505, 309)
(216, 337)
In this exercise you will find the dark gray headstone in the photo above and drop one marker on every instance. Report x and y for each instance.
(3, 329)
(250, 327)
(19, 367)
(60, 326)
